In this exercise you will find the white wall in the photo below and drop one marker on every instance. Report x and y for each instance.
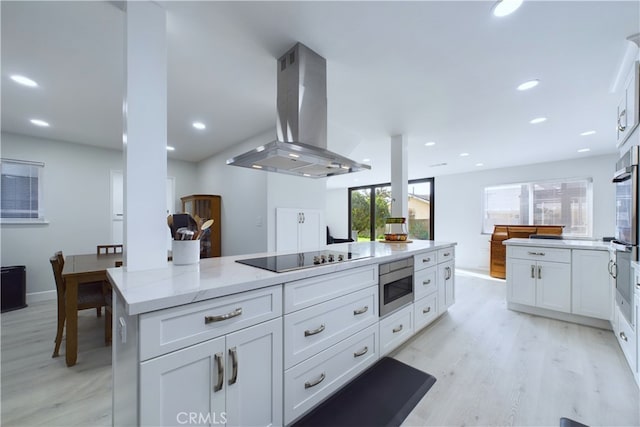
(250, 197)
(77, 204)
(458, 202)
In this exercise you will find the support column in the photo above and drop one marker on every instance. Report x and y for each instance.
(145, 127)
(399, 176)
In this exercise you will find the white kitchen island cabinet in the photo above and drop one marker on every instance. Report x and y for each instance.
(206, 344)
(563, 279)
(227, 380)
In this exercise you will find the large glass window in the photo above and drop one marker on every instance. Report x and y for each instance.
(562, 202)
(21, 191)
(368, 219)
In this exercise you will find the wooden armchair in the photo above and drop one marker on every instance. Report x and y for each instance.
(109, 249)
(90, 295)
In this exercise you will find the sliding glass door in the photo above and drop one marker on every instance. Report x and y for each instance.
(370, 206)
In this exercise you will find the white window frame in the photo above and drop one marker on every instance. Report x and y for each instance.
(25, 168)
(531, 184)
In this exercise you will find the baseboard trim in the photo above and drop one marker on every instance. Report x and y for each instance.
(567, 317)
(34, 297)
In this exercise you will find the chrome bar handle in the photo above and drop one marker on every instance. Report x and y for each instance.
(426, 310)
(218, 358)
(536, 253)
(361, 310)
(448, 275)
(234, 365)
(361, 352)
(446, 254)
(533, 275)
(314, 383)
(539, 272)
(623, 336)
(426, 282)
(211, 319)
(308, 333)
(398, 329)
(622, 114)
(428, 259)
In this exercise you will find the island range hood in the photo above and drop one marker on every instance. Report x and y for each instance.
(301, 144)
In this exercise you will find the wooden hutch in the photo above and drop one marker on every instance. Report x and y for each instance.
(206, 207)
(498, 263)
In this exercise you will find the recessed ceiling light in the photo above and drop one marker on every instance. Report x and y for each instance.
(256, 166)
(366, 160)
(584, 150)
(479, 164)
(435, 165)
(464, 154)
(25, 81)
(124, 138)
(40, 123)
(587, 133)
(293, 155)
(538, 120)
(199, 125)
(170, 148)
(429, 144)
(506, 7)
(528, 85)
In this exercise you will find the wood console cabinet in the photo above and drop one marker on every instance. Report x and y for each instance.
(497, 264)
(206, 207)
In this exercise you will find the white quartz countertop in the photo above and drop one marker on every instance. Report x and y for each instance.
(150, 290)
(597, 245)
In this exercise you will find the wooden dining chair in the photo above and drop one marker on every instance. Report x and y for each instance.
(90, 295)
(108, 308)
(109, 249)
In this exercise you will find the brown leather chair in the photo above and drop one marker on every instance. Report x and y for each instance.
(109, 249)
(90, 295)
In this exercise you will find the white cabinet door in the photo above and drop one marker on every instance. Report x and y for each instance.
(253, 380)
(446, 286)
(287, 229)
(311, 230)
(184, 387)
(299, 229)
(521, 281)
(628, 106)
(592, 291)
(553, 288)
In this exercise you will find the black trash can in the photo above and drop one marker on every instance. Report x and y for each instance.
(13, 288)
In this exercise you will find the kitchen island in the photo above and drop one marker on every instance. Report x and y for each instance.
(220, 342)
(563, 279)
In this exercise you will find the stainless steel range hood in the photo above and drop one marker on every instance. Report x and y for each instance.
(301, 145)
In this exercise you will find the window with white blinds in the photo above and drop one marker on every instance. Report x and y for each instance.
(567, 202)
(21, 191)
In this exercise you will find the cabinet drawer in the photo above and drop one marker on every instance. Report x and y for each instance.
(424, 260)
(539, 253)
(307, 292)
(314, 329)
(167, 330)
(396, 329)
(425, 282)
(446, 254)
(425, 311)
(626, 336)
(310, 382)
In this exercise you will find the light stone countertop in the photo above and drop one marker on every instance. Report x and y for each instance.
(597, 245)
(150, 290)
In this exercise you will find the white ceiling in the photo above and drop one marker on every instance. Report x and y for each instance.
(443, 71)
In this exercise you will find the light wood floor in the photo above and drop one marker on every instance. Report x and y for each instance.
(493, 366)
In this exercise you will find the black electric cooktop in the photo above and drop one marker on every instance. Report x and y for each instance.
(282, 263)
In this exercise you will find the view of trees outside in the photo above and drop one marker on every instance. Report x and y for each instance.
(361, 211)
(419, 206)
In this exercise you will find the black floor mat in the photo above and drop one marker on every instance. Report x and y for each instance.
(381, 396)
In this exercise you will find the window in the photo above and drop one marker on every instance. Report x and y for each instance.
(21, 189)
(566, 202)
(368, 219)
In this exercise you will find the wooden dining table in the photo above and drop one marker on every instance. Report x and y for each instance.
(78, 270)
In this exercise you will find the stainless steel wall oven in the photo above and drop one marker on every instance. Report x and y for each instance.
(626, 233)
(396, 285)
